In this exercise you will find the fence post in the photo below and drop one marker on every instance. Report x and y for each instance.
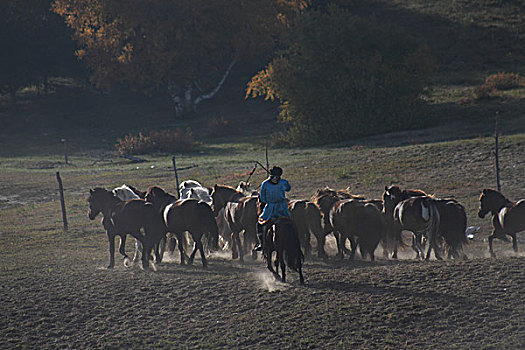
(267, 162)
(496, 150)
(64, 141)
(176, 175)
(62, 202)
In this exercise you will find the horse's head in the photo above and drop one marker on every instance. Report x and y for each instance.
(217, 201)
(97, 199)
(246, 189)
(490, 201)
(158, 197)
(391, 196)
(221, 195)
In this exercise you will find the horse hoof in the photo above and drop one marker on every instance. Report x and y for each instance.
(254, 255)
(110, 267)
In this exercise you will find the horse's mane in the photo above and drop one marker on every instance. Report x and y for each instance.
(407, 193)
(340, 194)
(225, 187)
(498, 194)
(141, 194)
(110, 196)
(416, 193)
(156, 190)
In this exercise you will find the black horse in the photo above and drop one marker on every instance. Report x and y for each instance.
(282, 238)
(127, 217)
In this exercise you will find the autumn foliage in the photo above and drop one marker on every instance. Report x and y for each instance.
(347, 78)
(159, 44)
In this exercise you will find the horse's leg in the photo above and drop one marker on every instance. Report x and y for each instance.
(300, 269)
(146, 251)
(156, 250)
(514, 242)
(138, 250)
(343, 246)
(283, 266)
(268, 256)
(111, 239)
(430, 246)
(181, 247)
(363, 251)
(171, 244)
(201, 250)
(235, 253)
(491, 238)
(192, 256)
(321, 240)
(396, 238)
(122, 248)
(236, 245)
(160, 248)
(353, 246)
(340, 242)
(239, 245)
(417, 246)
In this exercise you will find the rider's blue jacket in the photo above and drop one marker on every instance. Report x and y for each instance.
(274, 197)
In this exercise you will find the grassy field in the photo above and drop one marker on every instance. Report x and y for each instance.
(55, 291)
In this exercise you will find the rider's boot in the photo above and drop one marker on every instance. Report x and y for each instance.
(260, 237)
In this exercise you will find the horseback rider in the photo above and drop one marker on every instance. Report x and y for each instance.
(273, 195)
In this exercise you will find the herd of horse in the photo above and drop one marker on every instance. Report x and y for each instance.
(223, 217)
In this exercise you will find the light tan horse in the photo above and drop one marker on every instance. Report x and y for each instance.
(183, 215)
(241, 215)
(307, 219)
(508, 218)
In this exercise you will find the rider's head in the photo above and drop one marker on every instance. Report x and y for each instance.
(275, 174)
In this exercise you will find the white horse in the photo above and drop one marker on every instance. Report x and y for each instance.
(125, 193)
(193, 189)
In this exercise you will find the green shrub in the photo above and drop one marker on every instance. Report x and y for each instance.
(170, 140)
(349, 77)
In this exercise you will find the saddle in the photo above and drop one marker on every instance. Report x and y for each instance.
(272, 222)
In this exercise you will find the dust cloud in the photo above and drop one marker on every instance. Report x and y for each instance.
(267, 281)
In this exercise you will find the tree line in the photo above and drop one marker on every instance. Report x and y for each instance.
(335, 75)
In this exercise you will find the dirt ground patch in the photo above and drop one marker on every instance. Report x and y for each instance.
(72, 301)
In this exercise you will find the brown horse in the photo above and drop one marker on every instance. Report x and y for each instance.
(127, 217)
(508, 218)
(325, 198)
(392, 196)
(452, 226)
(282, 238)
(421, 216)
(307, 219)
(183, 215)
(360, 222)
(241, 215)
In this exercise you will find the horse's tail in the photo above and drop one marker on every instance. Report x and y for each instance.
(432, 227)
(293, 254)
(212, 230)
